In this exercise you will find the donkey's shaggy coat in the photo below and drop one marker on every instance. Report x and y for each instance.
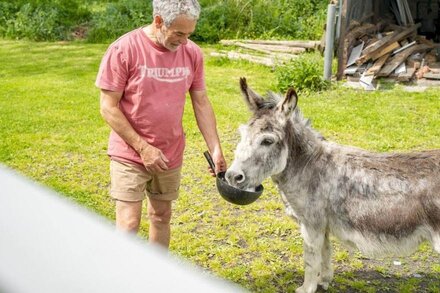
(381, 203)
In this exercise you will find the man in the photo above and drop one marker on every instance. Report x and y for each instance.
(144, 77)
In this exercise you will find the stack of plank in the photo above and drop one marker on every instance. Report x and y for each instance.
(269, 53)
(388, 50)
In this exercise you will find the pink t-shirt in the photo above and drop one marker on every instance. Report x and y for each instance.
(154, 82)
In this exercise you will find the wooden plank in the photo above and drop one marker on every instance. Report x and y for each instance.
(397, 59)
(279, 48)
(402, 12)
(391, 47)
(263, 48)
(431, 75)
(408, 75)
(385, 41)
(378, 65)
(299, 44)
(408, 12)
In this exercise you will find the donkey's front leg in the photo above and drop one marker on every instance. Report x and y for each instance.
(326, 266)
(313, 243)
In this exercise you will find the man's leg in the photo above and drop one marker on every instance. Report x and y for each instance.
(128, 215)
(159, 213)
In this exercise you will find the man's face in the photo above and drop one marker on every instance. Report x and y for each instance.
(177, 33)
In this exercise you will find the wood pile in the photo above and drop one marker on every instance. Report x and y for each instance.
(269, 53)
(388, 50)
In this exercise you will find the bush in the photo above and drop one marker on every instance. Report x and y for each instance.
(104, 21)
(118, 18)
(304, 73)
(299, 19)
(40, 20)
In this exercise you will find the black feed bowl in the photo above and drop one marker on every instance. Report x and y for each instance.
(230, 193)
(235, 195)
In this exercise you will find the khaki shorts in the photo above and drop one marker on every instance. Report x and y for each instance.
(131, 182)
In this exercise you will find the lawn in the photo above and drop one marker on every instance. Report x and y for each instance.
(52, 132)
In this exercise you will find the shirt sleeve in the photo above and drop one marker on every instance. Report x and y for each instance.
(198, 83)
(113, 71)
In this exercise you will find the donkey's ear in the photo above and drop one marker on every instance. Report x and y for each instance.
(288, 104)
(253, 100)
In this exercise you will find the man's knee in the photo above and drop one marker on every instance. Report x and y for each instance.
(160, 217)
(159, 214)
(128, 215)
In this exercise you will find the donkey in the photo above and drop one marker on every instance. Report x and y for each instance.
(379, 203)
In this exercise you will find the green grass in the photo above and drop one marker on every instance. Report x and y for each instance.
(52, 132)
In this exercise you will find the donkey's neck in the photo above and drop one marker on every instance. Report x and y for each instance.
(305, 148)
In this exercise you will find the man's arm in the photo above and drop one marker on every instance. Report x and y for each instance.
(153, 158)
(208, 127)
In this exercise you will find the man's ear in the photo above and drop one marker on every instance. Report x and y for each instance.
(158, 21)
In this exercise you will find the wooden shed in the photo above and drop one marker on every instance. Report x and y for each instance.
(386, 35)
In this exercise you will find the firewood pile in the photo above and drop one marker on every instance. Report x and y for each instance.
(385, 50)
(269, 53)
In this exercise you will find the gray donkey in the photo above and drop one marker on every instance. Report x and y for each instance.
(380, 203)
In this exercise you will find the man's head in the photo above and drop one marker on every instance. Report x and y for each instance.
(175, 21)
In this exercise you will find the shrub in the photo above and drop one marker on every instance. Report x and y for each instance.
(118, 18)
(299, 19)
(40, 19)
(104, 21)
(304, 73)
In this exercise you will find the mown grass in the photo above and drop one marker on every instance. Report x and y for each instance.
(51, 131)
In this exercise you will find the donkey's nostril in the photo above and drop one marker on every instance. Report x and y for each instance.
(238, 178)
(234, 177)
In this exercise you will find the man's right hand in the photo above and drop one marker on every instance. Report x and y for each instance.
(153, 158)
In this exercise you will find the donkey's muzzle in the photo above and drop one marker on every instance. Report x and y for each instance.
(230, 193)
(235, 195)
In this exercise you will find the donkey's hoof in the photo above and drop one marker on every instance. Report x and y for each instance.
(324, 285)
(303, 289)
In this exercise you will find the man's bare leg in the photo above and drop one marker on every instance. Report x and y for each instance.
(128, 215)
(159, 213)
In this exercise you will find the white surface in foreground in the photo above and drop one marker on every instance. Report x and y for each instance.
(49, 244)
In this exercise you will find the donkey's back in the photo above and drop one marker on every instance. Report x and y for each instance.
(384, 203)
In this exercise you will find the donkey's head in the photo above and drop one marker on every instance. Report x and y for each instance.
(263, 149)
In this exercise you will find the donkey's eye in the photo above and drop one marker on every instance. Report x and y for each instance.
(267, 141)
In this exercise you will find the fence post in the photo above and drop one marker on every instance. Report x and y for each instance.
(329, 41)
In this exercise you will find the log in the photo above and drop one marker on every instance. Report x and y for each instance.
(279, 55)
(242, 45)
(280, 48)
(299, 44)
(265, 60)
(267, 49)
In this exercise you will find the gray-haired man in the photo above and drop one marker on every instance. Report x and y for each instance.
(144, 77)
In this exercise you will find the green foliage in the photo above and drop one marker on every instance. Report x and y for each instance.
(40, 19)
(304, 73)
(118, 18)
(300, 19)
(104, 21)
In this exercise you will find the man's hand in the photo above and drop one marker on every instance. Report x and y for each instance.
(219, 162)
(153, 158)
